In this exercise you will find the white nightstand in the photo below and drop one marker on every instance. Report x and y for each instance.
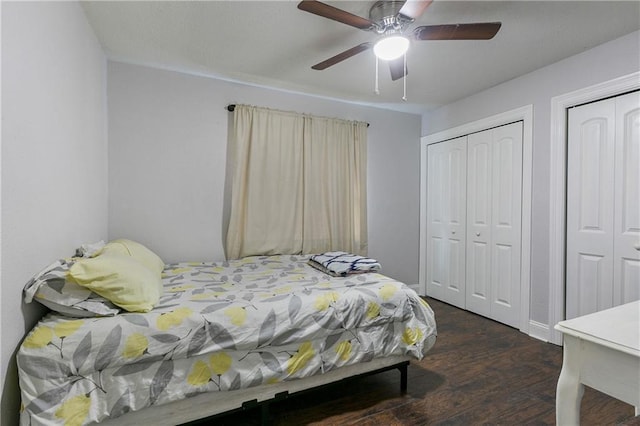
(602, 351)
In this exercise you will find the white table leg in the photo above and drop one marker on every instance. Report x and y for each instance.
(569, 391)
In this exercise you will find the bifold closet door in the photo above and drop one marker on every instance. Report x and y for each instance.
(446, 212)
(494, 228)
(603, 213)
(626, 238)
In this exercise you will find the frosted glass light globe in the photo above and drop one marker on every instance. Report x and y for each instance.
(390, 48)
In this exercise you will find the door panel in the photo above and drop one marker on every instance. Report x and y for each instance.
(629, 279)
(506, 229)
(446, 213)
(593, 294)
(437, 259)
(503, 289)
(479, 177)
(590, 197)
(504, 181)
(454, 290)
(626, 232)
(594, 176)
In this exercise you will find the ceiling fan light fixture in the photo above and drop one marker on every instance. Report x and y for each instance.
(391, 47)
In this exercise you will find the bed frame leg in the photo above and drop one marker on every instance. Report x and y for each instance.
(403, 377)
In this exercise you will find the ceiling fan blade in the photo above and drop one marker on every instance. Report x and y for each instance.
(397, 68)
(479, 31)
(414, 8)
(327, 11)
(342, 56)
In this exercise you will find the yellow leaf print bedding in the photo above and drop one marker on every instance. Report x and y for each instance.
(219, 326)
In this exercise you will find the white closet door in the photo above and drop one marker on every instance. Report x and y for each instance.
(506, 223)
(479, 185)
(446, 209)
(494, 204)
(590, 197)
(626, 239)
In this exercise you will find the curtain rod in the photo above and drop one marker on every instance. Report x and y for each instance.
(232, 107)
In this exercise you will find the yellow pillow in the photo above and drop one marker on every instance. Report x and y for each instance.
(121, 279)
(137, 251)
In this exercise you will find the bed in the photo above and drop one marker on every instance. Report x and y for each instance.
(223, 335)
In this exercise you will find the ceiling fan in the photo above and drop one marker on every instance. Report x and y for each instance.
(391, 19)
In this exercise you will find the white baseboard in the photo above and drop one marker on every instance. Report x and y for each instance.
(538, 330)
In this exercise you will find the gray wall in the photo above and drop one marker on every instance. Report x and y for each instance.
(608, 61)
(168, 150)
(54, 157)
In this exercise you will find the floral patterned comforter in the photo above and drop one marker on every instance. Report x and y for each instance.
(219, 326)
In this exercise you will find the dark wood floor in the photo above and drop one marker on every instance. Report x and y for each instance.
(479, 372)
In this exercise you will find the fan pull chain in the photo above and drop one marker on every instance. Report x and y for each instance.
(404, 80)
(376, 90)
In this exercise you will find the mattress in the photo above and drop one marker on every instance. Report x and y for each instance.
(220, 326)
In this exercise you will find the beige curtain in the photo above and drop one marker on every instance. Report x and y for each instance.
(298, 185)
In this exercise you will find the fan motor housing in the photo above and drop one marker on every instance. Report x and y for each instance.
(385, 15)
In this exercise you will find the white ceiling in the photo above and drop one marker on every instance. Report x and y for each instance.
(273, 44)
